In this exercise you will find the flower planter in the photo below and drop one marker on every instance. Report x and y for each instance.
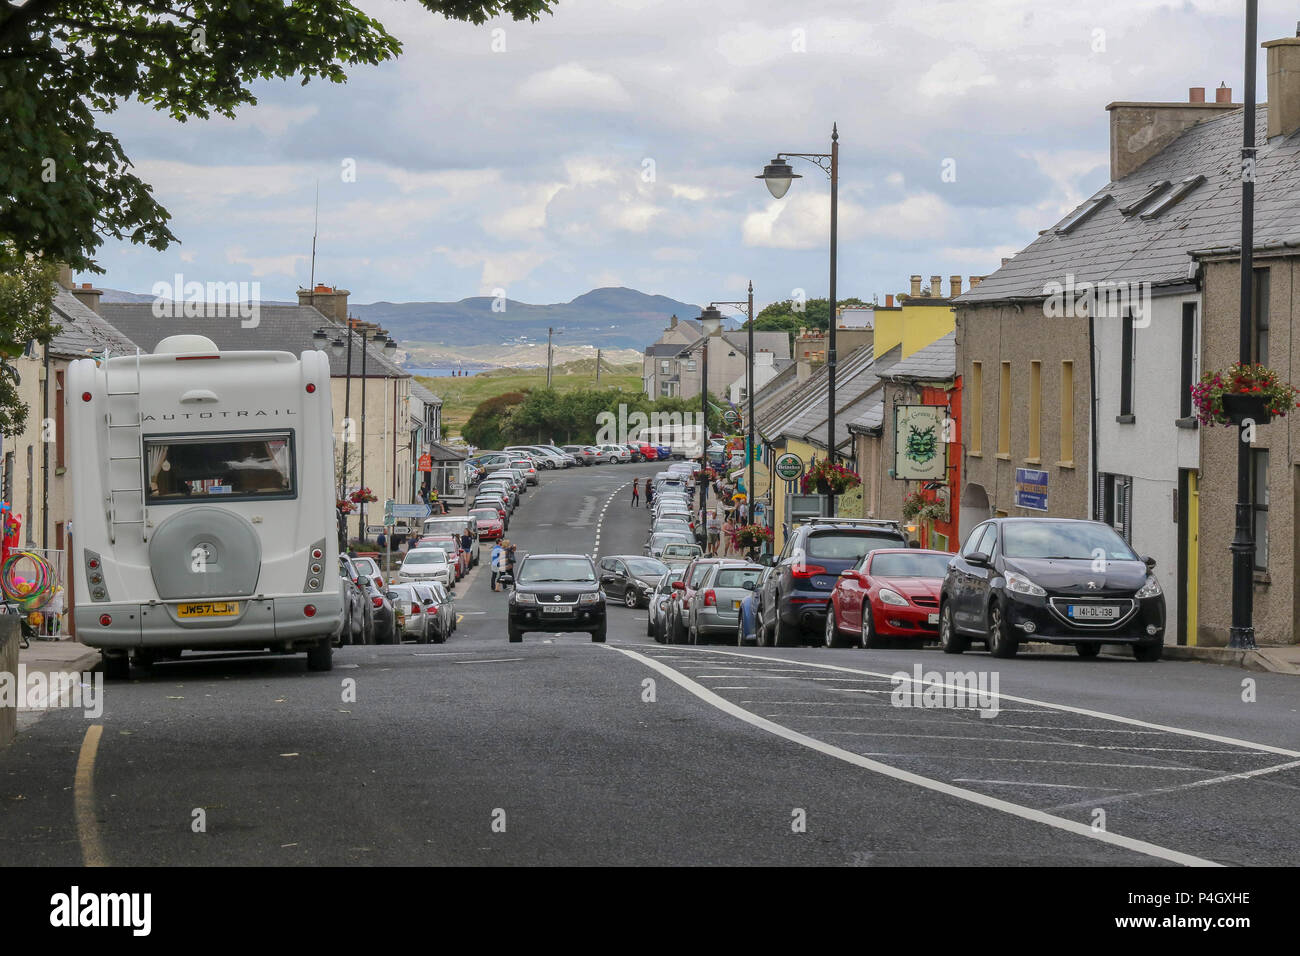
(823, 487)
(1240, 407)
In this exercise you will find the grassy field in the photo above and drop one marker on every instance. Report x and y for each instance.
(460, 396)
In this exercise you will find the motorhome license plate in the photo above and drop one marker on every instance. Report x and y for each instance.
(209, 609)
(1093, 612)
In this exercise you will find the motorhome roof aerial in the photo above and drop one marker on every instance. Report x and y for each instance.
(202, 502)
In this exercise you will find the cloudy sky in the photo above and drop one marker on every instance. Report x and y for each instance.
(615, 143)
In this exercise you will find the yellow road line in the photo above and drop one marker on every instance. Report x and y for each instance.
(92, 850)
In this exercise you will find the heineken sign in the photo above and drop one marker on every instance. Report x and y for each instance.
(788, 467)
(731, 418)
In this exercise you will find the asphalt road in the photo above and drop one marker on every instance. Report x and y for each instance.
(560, 751)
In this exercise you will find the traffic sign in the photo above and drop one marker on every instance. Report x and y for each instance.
(417, 510)
(788, 467)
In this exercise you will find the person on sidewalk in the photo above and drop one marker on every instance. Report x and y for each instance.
(714, 526)
(728, 529)
(497, 563)
(636, 494)
(649, 493)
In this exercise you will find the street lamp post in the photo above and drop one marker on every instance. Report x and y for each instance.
(747, 307)
(778, 175)
(1242, 632)
(710, 322)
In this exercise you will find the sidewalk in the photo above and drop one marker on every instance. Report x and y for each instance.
(1275, 660)
(61, 655)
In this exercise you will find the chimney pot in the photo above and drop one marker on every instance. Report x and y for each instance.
(1223, 94)
(975, 280)
(86, 285)
(954, 283)
(1005, 260)
(916, 286)
(889, 301)
(1196, 94)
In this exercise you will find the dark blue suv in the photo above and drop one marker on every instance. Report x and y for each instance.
(793, 598)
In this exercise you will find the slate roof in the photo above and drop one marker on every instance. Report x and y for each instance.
(799, 414)
(420, 392)
(664, 348)
(82, 332)
(937, 362)
(285, 328)
(1111, 246)
(869, 418)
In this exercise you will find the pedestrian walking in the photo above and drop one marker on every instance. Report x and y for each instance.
(636, 494)
(497, 562)
(649, 493)
(510, 560)
(714, 527)
(728, 529)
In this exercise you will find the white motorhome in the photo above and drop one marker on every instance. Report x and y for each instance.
(203, 503)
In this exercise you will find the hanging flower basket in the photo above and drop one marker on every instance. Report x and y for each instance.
(344, 506)
(362, 496)
(917, 507)
(749, 536)
(1241, 393)
(828, 478)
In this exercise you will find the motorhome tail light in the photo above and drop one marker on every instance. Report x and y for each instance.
(317, 553)
(309, 610)
(105, 620)
(710, 599)
(807, 570)
(93, 562)
(311, 387)
(85, 396)
(314, 583)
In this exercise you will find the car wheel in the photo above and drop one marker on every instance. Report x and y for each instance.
(1000, 641)
(949, 639)
(598, 637)
(1148, 653)
(630, 599)
(740, 633)
(514, 633)
(760, 630)
(1087, 650)
(781, 636)
(832, 637)
(870, 638)
(321, 657)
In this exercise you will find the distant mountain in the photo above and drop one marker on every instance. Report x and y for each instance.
(604, 318)
(607, 318)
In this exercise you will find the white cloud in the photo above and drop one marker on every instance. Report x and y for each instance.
(957, 74)
(573, 86)
(262, 266)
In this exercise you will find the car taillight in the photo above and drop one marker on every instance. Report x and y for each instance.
(710, 599)
(806, 570)
(415, 609)
(377, 601)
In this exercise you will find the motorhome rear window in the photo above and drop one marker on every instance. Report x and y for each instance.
(225, 467)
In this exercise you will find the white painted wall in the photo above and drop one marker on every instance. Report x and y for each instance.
(1151, 449)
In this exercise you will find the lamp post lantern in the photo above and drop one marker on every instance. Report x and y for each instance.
(777, 176)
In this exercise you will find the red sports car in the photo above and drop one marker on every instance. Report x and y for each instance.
(891, 594)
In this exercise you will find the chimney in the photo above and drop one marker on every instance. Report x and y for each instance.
(1005, 260)
(802, 368)
(65, 275)
(916, 286)
(1140, 130)
(936, 286)
(672, 323)
(88, 296)
(1223, 94)
(889, 301)
(329, 302)
(975, 280)
(954, 284)
(1283, 86)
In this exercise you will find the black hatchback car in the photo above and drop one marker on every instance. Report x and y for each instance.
(556, 592)
(1060, 581)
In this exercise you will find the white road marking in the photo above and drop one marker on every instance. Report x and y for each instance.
(960, 793)
(1065, 708)
(1227, 778)
(1023, 783)
(491, 660)
(1026, 740)
(1066, 763)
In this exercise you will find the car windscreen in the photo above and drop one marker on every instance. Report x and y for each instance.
(556, 571)
(426, 556)
(698, 575)
(682, 550)
(848, 545)
(229, 467)
(444, 525)
(662, 539)
(736, 577)
(1073, 540)
(484, 514)
(903, 565)
(646, 567)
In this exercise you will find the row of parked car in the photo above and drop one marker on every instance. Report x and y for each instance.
(380, 612)
(844, 581)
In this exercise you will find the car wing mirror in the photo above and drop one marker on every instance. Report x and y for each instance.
(1150, 562)
(978, 558)
(750, 585)
(679, 586)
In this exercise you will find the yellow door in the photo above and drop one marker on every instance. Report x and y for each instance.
(1193, 551)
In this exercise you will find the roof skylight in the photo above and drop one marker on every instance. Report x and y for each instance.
(1174, 197)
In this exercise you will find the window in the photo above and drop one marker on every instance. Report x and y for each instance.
(231, 467)
(1004, 411)
(58, 420)
(977, 408)
(1035, 409)
(1259, 504)
(1259, 344)
(1126, 366)
(663, 367)
(1114, 503)
(1190, 360)
(1153, 190)
(976, 536)
(1174, 197)
(1067, 414)
(690, 365)
(1083, 214)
